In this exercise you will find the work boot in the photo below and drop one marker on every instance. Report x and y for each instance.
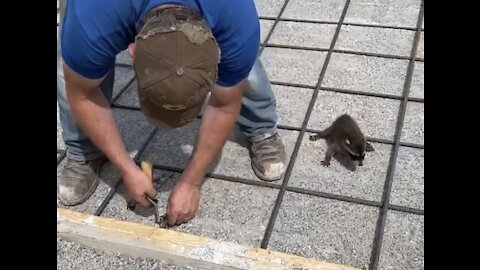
(268, 158)
(78, 180)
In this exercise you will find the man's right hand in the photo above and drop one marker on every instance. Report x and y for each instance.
(139, 185)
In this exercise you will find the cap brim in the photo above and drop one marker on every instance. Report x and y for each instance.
(161, 117)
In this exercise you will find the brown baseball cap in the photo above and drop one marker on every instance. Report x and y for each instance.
(175, 61)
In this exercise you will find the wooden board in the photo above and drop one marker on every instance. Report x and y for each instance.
(138, 240)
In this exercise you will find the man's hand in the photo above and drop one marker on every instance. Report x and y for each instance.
(139, 185)
(183, 203)
(131, 50)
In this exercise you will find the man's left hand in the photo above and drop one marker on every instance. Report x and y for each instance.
(183, 203)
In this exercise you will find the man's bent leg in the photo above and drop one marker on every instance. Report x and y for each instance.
(79, 177)
(79, 146)
(258, 122)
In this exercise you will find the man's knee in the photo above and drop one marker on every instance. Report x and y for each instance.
(61, 92)
(255, 75)
(259, 84)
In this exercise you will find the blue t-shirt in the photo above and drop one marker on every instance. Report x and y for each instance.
(95, 31)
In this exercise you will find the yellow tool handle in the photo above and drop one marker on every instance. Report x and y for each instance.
(147, 168)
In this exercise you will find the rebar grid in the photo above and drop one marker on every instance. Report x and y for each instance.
(296, 149)
(382, 217)
(299, 190)
(343, 23)
(292, 128)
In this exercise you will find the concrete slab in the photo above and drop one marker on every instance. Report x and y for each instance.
(403, 245)
(318, 10)
(134, 131)
(417, 88)
(313, 35)
(71, 255)
(377, 117)
(133, 127)
(334, 231)
(265, 26)
(130, 96)
(293, 66)
(421, 46)
(124, 58)
(365, 73)
(365, 182)
(174, 147)
(375, 40)
(409, 178)
(400, 13)
(286, 96)
(269, 8)
(227, 211)
(122, 76)
(414, 123)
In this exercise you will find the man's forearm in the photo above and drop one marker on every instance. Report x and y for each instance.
(214, 130)
(94, 115)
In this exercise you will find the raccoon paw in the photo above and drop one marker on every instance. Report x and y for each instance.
(325, 163)
(313, 138)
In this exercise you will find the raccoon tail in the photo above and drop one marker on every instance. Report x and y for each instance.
(320, 135)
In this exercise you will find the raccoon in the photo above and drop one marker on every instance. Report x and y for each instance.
(344, 136)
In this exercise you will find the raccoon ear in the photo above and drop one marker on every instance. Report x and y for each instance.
(369, 148)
